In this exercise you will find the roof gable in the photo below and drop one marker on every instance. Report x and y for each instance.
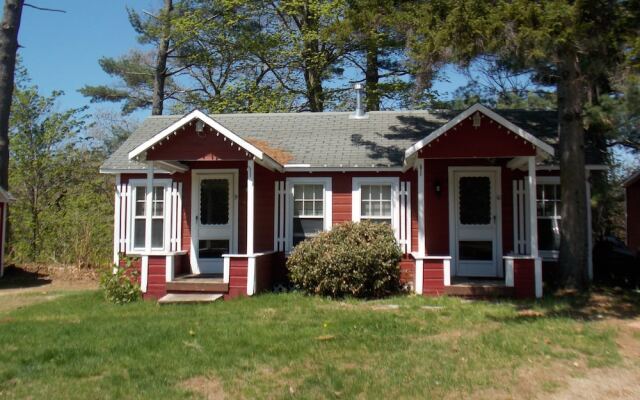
(468, 113)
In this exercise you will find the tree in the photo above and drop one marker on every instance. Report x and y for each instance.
(145, 79)
(40, 149)
(12, 15)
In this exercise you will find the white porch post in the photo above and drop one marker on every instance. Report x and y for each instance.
(250, 205)
(533, 220)
(251, 262)
(116, 223)
(144, 265)
(421, 228)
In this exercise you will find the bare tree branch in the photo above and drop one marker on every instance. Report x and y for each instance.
(44, 8)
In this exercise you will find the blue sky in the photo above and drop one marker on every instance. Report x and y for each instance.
(61, 51)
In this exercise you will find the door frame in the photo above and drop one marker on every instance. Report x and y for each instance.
(195, 189)
(453, 201)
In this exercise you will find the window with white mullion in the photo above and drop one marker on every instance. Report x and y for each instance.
(548, 205)
(156, 220)
(308, 211)
(375, 203)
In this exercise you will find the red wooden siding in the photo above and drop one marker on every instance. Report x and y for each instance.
(264, 272)
(489, 140)
(633, 216)
(2, 206)
(433, 278)
(238, 268)
(524, 278)
(156, 278)
(188, 145)
(264, 197)
(407, 271)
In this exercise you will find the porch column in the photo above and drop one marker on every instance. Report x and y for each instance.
(419, 275)
(533, 217)
(144, 265)
(251, 260)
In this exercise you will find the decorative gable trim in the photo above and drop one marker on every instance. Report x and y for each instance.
(199, 115)
(466, 114)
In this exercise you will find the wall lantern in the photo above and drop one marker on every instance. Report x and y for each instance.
(437, 187)
(199, 127)
(476, 120)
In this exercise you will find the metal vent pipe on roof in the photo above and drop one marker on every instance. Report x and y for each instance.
(359, 113)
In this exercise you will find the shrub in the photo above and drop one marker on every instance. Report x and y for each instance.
(120, 286)
(353, 259)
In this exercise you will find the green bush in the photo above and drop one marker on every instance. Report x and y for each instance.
(353, 259)
(120, 286)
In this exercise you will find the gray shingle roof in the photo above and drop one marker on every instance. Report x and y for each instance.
(332, 139)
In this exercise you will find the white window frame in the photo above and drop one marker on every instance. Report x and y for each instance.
(327, 204)
(356, 197)
(546, 180)
(133, 184)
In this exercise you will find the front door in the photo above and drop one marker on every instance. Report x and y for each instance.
(213, 221)
(476, 223)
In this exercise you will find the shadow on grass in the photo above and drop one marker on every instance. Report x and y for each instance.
(597, 304)
(17, 278)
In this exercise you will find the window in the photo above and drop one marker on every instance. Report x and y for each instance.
(156, 220)
(310, 205)
(548, 210)
(376, 200)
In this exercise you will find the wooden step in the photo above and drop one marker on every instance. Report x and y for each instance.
(189, 298)
(197, 286)
(479, 290)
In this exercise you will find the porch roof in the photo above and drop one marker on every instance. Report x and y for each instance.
(332, 139)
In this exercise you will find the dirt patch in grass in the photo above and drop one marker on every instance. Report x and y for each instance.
(207, 387)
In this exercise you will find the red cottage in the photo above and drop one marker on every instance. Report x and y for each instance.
(214, 203)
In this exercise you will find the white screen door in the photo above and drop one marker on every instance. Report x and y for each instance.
(213, 208)
(476, 223)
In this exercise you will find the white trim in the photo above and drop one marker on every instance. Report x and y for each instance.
(550, 255)
(172, 166)
(193, 254)
(419, 275)
(533, 213)
(409, 223)
(137, 171)
(278, 216)
(453, 201)
(144, 273)
(309, 168)
(116, 223)
(446, 268)
(356, 195)
(327, 206)
(149, 209)
(169, 268)
(250, 205)
(509, 279)
(166, 183)
(187, 119)
(226, 266)
(489, 113)
(421, 205)
(157, 253)
(538, 276)
(251, 276)
(419, 256)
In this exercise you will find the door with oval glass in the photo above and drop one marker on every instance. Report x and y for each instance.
(476, 223)
(213, 216)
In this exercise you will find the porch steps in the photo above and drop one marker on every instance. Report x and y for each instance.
(205, 284)
(479, 289)
(189, 298)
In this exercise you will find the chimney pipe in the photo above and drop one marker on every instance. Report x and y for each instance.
(359, 112)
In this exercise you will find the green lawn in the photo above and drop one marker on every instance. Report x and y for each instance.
(288, 345)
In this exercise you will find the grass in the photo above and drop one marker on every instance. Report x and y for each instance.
(287, 345)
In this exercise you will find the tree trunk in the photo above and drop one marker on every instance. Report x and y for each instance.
(12, 15)
(573, 229)
(160, 73)
(372, 75)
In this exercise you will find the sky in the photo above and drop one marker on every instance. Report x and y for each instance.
(61, 51)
